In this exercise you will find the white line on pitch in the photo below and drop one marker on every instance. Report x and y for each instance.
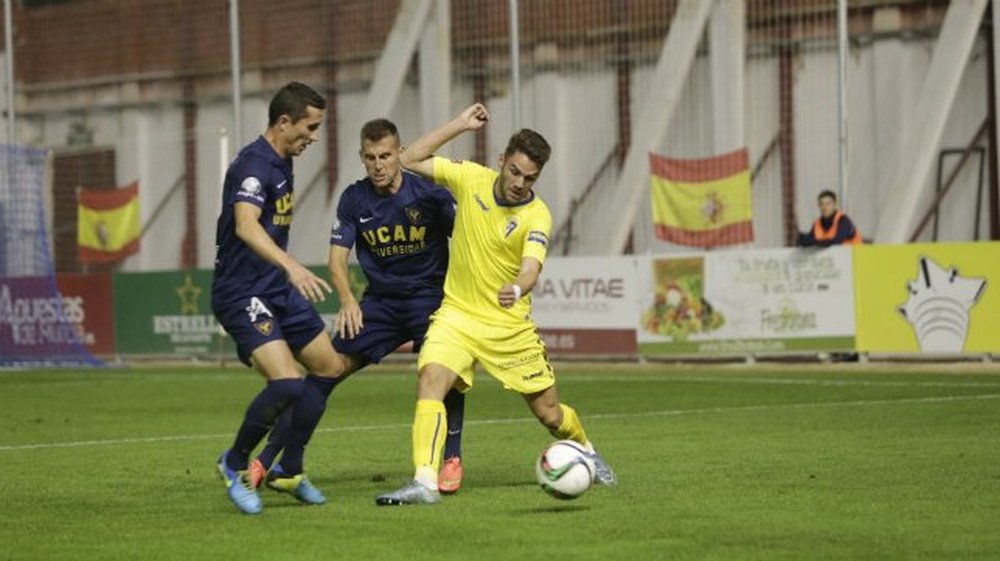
(785, 381)
(526, 419)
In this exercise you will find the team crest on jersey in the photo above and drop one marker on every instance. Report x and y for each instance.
(251, 188)
(257, 308)
(414, 215)
(264, 327)
(251, 185)
(511, 226)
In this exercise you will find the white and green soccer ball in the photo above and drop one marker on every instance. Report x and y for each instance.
(565, 470)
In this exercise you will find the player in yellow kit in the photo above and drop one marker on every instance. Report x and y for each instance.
(498, 246)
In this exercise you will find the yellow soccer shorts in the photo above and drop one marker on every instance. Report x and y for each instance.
(512, 354)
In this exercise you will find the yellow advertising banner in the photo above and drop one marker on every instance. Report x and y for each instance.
(928, 298)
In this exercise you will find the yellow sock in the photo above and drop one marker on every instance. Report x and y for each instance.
(430, 425)
(571, 428)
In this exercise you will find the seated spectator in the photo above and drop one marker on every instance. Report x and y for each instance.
(833, 227)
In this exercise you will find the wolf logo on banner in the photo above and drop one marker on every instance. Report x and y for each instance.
(927, 297)
(702, 202)
(939, 304)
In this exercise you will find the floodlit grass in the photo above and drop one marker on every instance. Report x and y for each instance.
(720, 463)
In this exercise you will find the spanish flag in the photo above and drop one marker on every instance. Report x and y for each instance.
(108, 224)
(704, 202)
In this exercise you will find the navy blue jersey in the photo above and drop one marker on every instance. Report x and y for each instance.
(261, 177)
(401, 240)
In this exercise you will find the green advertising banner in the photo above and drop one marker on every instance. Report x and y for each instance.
(170, 313)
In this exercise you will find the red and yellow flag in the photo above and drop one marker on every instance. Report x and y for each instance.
(702, 202)
(107, 228)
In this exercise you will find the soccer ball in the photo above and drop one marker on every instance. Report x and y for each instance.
(565, 470)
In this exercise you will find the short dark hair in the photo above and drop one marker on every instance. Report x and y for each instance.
(293, 99)
(377, 129)
(827, 193)
(531, 144)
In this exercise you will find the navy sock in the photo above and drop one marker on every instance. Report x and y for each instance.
(303, 419)
(260, 416)
(276, 438)
(454, 405)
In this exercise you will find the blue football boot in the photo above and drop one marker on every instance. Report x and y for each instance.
(239, 487)
(297, 486)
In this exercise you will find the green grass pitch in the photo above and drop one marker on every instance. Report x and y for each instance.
(720, 462)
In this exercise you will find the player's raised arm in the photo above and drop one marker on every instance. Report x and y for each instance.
(349, 320)
(417, 156)
(249, 230)
(525, 281)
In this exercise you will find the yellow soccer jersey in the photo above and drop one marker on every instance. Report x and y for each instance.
(489, 241)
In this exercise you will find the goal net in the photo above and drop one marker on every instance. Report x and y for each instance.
(34, 325)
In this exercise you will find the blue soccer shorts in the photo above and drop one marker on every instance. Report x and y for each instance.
(388, 323)
(256, 320)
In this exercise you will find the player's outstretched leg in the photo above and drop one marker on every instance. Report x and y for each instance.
(429, 422)
(571, 428)
(450, 478)
(258, 419)
(564, 424)
(288, 476)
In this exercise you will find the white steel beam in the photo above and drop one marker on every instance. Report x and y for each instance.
(390, 70)
(727, 38)
(435, 67)
(921, 133)
(661, 99)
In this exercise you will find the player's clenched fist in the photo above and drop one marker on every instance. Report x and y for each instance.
(475, 116)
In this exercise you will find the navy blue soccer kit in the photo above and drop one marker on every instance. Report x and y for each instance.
(251, 298)
(401, 241)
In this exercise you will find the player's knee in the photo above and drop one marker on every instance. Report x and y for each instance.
(434, 383)
(426, 382)
(551, 417)
(332, 367)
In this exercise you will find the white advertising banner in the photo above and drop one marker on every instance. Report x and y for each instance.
(587, 305)
(747, 301)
